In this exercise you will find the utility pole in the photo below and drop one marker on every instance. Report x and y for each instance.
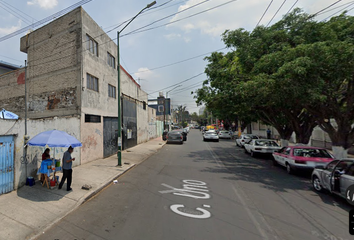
(119, 152)
(25, 138)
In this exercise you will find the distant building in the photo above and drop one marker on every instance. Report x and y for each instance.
(6, 67)
(71, 86)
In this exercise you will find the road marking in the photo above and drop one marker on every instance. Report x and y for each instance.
(187, 192)
(205, 213)
(207, 206)
(243, 202)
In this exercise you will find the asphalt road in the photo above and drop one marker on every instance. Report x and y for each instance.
(210, 190)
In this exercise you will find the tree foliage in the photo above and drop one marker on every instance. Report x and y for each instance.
(294, 75)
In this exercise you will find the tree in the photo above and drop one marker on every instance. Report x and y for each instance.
(310, 68)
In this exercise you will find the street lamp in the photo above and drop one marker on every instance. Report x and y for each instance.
(119, 153)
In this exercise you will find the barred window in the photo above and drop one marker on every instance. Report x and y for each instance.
(92, 118)
(111, 60)
(111, 91)
(92, 82)
(92, 45)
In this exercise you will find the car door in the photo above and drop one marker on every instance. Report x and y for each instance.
(347, 179)
(279, 156)
(326, 174)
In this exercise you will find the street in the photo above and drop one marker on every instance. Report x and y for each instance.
(209, 191)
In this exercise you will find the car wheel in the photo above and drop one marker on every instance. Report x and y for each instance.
(316, 183)
(204, 139)
(246, 151)
(217, 140)
(289, 168)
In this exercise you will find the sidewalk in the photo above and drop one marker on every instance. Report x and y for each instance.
(29, 211)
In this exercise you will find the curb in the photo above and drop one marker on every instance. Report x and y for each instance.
(90, 195)
(105, 185)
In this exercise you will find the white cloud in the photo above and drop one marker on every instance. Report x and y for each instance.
(144, 73)
(46, 4)
(174, 36)
(8, 30)
(238, 14)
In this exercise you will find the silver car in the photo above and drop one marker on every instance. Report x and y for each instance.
(335, 177)
(245, 138)
(224, 134)
(210, 136)
(264, 146)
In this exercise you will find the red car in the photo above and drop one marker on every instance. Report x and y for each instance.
(301, 157)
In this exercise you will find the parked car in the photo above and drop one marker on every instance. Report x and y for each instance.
(245, 138)
(210, 136)
(301, 157)
(335, 177)
(224, 134)
(174, 137)
(184, 133)
(264, 146)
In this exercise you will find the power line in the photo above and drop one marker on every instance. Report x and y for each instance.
(47, 19)
(111, 40)
(291, 8)
(134, 31)
(185, 60)
(276, 13)
(31, 18)
(325, 8)
(264, 13)
(13, 13)
(330, 10)
(195, 5)
(338, 12)
(177, 83)
(108, 32)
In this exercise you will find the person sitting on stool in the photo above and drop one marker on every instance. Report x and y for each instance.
(45, 156)
(67, 169)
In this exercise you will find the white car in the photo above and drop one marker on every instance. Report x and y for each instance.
(224, 134)
(264, 146)
(210, 136)
(245, 138)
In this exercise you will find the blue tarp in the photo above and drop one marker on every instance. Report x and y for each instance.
(7, 115)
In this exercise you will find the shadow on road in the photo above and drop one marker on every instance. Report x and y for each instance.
(240, 166)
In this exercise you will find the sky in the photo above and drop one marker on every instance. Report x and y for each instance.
(168, 55)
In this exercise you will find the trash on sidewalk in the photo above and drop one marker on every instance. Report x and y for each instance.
(127, 163)
(86, 187)
(115, 181)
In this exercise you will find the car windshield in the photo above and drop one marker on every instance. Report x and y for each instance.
(266, 143)
(210, 133)
(311, 152)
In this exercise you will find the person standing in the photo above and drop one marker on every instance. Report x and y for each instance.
(269, 134)
(67, 169)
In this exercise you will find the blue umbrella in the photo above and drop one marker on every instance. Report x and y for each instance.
(54, 138)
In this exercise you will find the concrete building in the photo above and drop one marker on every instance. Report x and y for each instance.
(72, 86)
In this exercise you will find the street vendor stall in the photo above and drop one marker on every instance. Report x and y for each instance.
(53, 138)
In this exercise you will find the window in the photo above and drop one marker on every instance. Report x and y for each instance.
(111, 60)
(111, 91)
(92, 118)
(144, 105)
(92, 82)
(92, 45)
